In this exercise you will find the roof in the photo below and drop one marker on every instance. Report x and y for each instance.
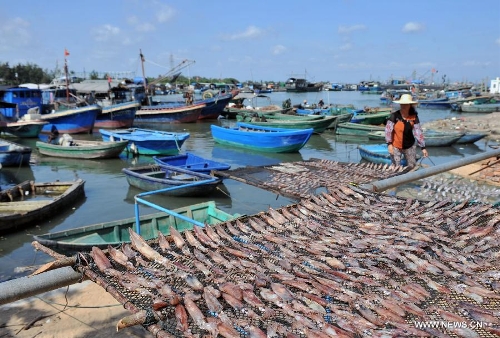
(97, 86)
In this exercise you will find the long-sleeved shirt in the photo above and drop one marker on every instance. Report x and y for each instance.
(402, 133)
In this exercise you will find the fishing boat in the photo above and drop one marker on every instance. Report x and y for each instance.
(164, 113)
(435, 103)
(29, 125)
(214, 105)
(472, 136)
(486, 108)
(192, 162)
(23, 129)
(156, 177)
(432, 138)
(357, 129)
(115, 233)
(319, 125)
(71, 120)
(262, 138)
(31, 202)
(117, 115)
(147, 141)
(376, 117)
(82, 149)
(13, 154)
(377, 153)
(262, 116)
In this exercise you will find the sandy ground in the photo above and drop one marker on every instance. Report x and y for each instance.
(90, 312)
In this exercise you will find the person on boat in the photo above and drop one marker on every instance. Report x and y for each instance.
(403, 132)
(321, 104)
(304, 105)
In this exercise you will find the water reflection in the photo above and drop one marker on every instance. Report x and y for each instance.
(11, 176)
(240, 157)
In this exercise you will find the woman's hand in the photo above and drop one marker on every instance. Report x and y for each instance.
(425, 153)
(390, 147)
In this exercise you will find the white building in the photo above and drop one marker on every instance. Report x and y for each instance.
(495, 86)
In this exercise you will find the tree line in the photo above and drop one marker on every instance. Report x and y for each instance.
(32, 73)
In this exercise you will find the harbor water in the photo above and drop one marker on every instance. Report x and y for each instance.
(109, 197)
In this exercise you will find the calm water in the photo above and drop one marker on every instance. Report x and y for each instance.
(109, 197)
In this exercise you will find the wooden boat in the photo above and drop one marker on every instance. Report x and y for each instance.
(13, 154)
(485, 108)
(262, 138)
(117, 115)
(214, 106)
(76, 120)
(432, 138)
(147, 141)
(115, 233)
(442, 102)
(377, 153)
(192, 162)
(357, 129)
(31, 202)
(318, 125)
(164, 113)
(156, 177)
(261, 117)
(82, 149)
(372, 118)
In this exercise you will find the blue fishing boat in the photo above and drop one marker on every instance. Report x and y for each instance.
(16, 101)
(147, 141)
(117, 115)
(155, 177)
(75, 120)
(472, 136)
(192, 162)
(214, 106)
(13, 154)
(262, 138)
(377, 153)
(442, 102)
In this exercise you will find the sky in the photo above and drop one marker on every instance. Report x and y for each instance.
(345, 41)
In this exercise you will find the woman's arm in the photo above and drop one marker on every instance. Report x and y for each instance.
(389, 127)
(419, 135)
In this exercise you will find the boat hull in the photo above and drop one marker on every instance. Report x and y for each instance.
(147, 142)
(71, 121)
(214, 106)
(83, 149)
(319, 125)
(377, 153)
(356, 129)
(117, 116)
(156, 177)
(192, 162)
(13, 154)
(19, 214)
(168, 114)
(260, 138)
(22, 129)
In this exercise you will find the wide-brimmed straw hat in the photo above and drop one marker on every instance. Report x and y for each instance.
(405, 99)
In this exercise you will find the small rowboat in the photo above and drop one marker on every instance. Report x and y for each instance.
(377, 153)
(116, 232)
(83, 149)
(31, 202)
(156, 177)
(192, 162)
(262, 138)
(432, 138)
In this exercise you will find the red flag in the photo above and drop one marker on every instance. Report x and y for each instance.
(66, 53)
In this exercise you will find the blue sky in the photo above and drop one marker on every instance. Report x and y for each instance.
(327, 40)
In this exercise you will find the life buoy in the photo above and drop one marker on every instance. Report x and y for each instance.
(207, 95)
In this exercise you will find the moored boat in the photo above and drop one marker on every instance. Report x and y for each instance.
(192, 162)
(82, 149)
(356, 129)
(164, 113)
(432, 138)
(377, 153)
(160, 177)
(115, 233)
(486, 108)
(31, 202)
(117, 115)
(147, 141)
(369, 117)
(13, 154)
(319, 125)
(75, 120)
(262, 138)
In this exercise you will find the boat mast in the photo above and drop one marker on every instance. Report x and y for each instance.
(144, 76)
(66, 74)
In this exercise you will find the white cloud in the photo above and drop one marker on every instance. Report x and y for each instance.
(473, 63)
(412, 27)
(14, 33)
(278, 49)
(145, 27)
(346, 46)
(164, 13)
(105, 32)
(250, 33)
(349, 29)
(497, 41)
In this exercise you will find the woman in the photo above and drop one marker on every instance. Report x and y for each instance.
(403, 132)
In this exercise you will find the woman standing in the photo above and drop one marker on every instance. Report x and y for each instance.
(403, 132)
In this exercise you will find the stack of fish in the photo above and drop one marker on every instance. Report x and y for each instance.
(349, 263)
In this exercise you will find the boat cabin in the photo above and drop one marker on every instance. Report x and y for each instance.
(24, 98)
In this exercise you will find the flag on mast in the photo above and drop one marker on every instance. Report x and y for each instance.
(66, 53)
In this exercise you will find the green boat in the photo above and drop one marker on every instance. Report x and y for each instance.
(372, 118)
(318, 125)
(276, 116)
(82, 149)
(115, 233)
(357, 129)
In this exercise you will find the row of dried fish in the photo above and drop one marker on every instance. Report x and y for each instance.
(340, 264)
